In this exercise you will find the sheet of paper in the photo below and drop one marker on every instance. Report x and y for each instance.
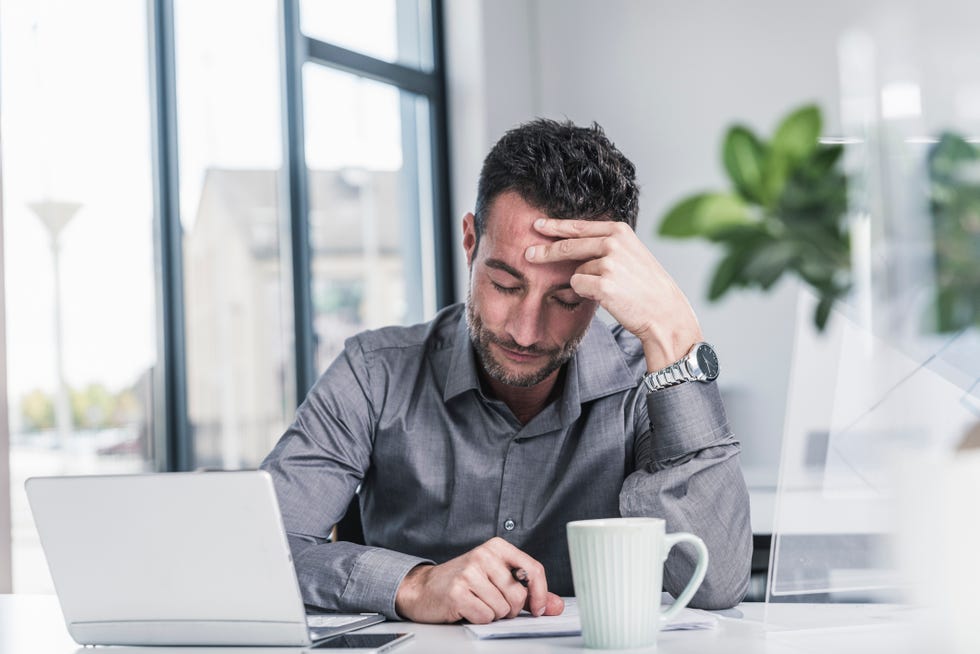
(568, 624)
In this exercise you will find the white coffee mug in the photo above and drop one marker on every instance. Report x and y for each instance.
(617, 570)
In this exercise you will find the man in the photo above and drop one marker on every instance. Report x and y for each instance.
(476, 437)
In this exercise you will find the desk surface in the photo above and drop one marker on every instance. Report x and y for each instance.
(32, 624)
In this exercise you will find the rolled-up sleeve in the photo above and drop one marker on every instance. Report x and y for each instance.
(687, 472)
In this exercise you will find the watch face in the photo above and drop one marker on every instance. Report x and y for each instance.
(708, 361)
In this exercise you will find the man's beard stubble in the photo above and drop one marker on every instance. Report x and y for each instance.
(481, 337)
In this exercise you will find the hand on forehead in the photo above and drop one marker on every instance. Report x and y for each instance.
(511, 231)
(574, 240)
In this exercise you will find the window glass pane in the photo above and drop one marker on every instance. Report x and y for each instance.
(398, 31)
(367, 153)
(78, 221)
(237, 307)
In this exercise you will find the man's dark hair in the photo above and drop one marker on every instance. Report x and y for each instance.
(564, 170)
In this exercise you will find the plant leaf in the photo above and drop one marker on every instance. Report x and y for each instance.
(796, 137)
(742, 235)
(946, 156)
(725, 274)
(816, 271)
(822, 312)
(767, 264)
(744, 156)
(811, 198)
(679, 221)
(703, 214)
(795, 140)
(722, 210)
(823, 159)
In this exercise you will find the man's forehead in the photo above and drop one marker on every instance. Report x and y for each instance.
(511, 218)
(509, 229)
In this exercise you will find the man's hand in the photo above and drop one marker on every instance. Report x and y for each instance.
(477, 586)
(622, 275)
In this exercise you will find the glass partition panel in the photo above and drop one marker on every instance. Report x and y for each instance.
(858, 406)
(883, 404)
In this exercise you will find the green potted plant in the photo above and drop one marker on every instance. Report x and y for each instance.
(784, 213)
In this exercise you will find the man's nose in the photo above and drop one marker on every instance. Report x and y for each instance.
(525, 322)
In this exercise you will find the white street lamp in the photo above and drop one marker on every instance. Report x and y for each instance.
(55, 216)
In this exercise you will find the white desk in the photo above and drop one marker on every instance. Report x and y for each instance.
(32, 624)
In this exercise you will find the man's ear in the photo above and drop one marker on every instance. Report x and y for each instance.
(469, 238)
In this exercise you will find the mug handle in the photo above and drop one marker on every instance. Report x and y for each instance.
(692, 586)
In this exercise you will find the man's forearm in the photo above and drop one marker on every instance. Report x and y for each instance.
(705, 496)
(688, 473)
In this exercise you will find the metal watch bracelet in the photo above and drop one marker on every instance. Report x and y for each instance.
(669, 376)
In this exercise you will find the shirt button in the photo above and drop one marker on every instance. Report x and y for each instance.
(509, 525)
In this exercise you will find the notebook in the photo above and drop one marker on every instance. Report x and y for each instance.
(175, 559)
(569, 624)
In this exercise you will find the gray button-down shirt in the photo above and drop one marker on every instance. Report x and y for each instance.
(442, 467)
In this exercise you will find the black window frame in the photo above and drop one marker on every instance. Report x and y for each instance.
(174, 446)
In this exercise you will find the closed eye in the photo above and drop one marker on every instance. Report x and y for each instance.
(513, 290)
(506, 290)
(567, 306)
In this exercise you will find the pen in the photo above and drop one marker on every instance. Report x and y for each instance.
(519, 575)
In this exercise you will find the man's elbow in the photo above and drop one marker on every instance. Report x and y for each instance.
(726, 581)
(721, 591)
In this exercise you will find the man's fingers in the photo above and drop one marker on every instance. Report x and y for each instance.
(514, 593)
(578, 228)
(537, 586)
(555, 605)
(537, 583)
(570, 249)
(475, 610)
(490, 593)
(591, 287)
(478, 586)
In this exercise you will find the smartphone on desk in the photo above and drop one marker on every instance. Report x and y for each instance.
(364, 643)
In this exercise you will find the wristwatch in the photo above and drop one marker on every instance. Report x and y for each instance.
(700, 364)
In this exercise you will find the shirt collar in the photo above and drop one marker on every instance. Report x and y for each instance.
(598, 369)
(462, 366)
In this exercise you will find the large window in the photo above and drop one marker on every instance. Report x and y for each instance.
(239, 392)
(369, 208)
(201, 200)
(78, 221)
(369, 169)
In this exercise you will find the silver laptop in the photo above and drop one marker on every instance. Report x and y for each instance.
(175, 559)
